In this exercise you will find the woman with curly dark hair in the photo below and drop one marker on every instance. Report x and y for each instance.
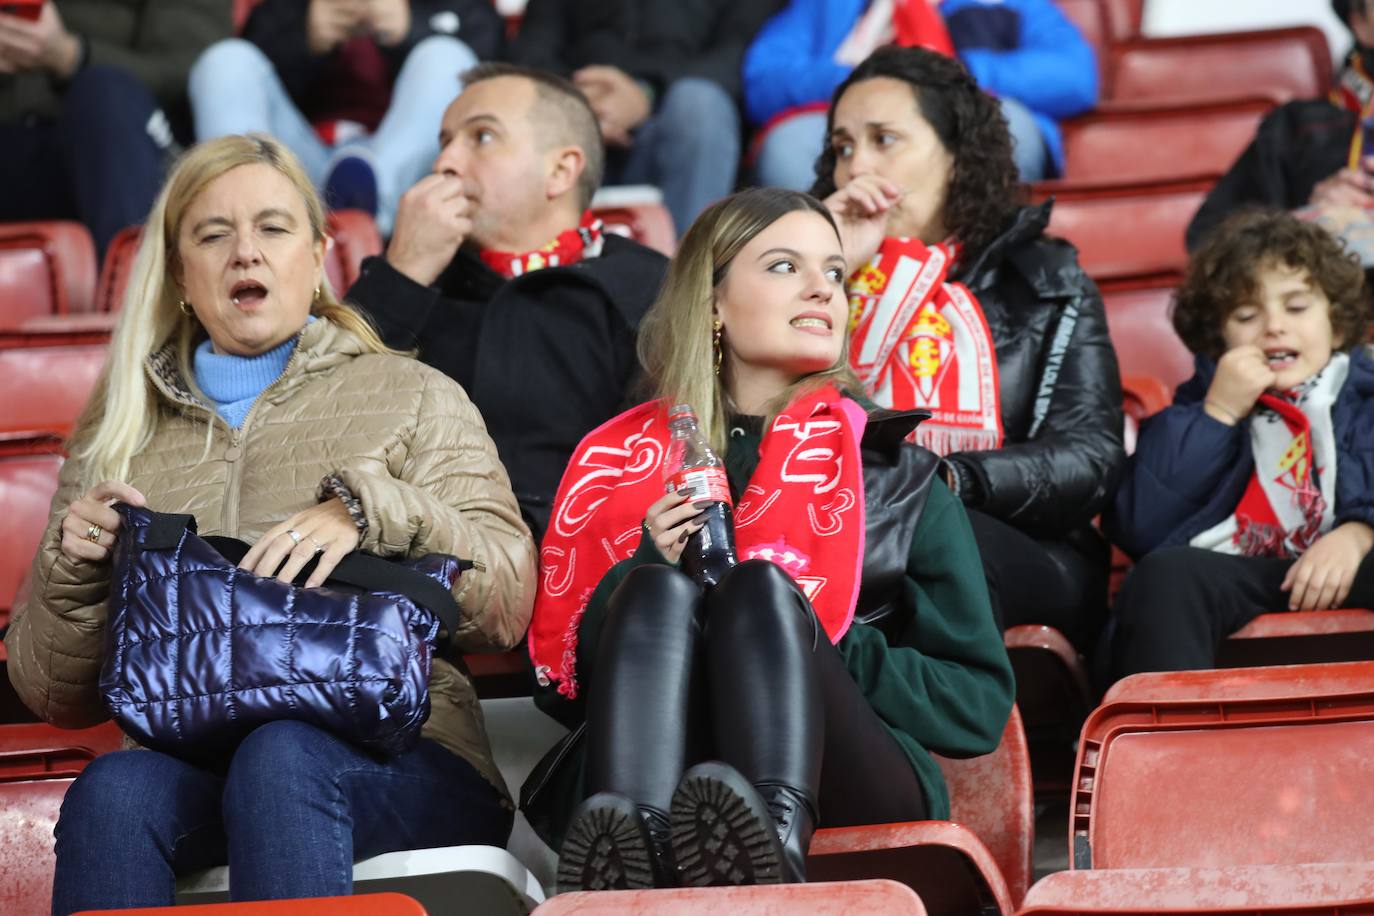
(1254, 492)
(960, 305)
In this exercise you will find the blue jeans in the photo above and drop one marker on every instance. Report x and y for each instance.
(235, 90)
(292, 812)
(101, 161)
(689, 148)
(788, 155)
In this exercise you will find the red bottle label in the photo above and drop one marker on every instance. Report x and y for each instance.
(705, 483)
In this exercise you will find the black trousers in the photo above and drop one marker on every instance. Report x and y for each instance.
(742, 674)
(1050, 582)
(1178, 604)
(101, 161)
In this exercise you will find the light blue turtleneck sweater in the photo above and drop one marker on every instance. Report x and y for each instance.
(233, 383)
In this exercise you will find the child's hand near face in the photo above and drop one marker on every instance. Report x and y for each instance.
(1321, 578)
(1243, 374)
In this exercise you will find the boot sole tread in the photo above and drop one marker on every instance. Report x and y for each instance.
(604, 850)
(719, 840)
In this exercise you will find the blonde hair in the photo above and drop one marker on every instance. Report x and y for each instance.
(121, 417)
(676, 336)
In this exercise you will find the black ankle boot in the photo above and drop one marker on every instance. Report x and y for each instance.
(610, 845)
(727, 832)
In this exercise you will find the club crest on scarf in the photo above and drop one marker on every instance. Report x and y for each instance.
(921, 342)
(802, 509)
(569, 247)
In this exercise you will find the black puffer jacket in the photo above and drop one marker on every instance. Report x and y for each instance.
(1061, 392)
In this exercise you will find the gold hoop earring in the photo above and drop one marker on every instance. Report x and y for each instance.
(185, 308)
(715, 343)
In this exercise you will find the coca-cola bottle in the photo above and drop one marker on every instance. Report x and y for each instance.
(690, 463)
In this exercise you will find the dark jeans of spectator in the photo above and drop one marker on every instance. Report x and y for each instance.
(1179, 603)
(101, 161)
(1042, 581)
(689, 148)
(294, 810)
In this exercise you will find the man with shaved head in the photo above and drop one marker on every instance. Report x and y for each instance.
(501, 277)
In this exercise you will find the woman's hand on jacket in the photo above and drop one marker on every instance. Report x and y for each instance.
(326, 529)
(92, 515)
(672, 520)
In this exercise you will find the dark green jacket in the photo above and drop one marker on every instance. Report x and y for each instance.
(155, 40)
(942, 684)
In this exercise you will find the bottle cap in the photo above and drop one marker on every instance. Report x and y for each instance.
(679, 411)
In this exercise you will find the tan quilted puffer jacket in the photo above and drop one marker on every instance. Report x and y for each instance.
(403, 437)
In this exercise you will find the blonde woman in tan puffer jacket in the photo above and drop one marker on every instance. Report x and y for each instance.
(239, 390)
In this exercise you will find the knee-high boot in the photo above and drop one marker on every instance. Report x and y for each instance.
(643, 710)
(749, 818)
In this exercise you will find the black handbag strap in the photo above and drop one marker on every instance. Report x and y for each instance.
(360, 570)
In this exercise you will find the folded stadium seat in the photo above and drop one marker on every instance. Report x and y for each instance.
(28, 479)
(46, 268)
(977, 862)
(29, 803)
(1139, 320)
(1303, 638)
(1208, 769)
(487, 880)
(44, 388)
(114, 272)
(1291, 63)
(355, 237)
(361, 905)
(849, 898)
(1123, 231)
(1090, 16)
(1153, 141)
(1244, 890)
(1053, 696)
(648, 224)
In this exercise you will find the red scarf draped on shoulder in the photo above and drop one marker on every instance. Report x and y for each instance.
(803, 509)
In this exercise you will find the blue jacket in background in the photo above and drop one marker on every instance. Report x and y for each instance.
(1024, 49)
(1189, 471)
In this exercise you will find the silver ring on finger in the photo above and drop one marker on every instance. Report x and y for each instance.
(319, 548)
(295, 536)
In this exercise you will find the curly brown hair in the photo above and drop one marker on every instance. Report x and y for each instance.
(984, 189)
(1223, 273)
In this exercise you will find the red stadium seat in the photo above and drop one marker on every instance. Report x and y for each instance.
(1245, 890)
(1142, 331)
(496, 675)
(1304, 638)
(35, 737)
(648, 224)
(1053, 696)
(29, 807)
(28, 479)
(1124, 18)
(241, 10)
(851, 898)
(361, 905)
(1126, 231)
(46, 268)
(1152, 142)
(44, 388)
(1288, 63)
(979, 861)
(1208, 769)
(355, 237)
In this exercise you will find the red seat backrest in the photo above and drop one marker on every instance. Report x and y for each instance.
(114, 273)
(1288, 63)
(1123, 18)
(1142, 331)
(28, 737)
(46, 268)
(1241, 778)
(1127, 230)
(992, 796)
(648, 224)
(30, 809)
(45, 388)
(1159, 143)
(830, 898)
(355, 237)
(27, 485)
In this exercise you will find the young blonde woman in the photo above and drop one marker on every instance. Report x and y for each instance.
(240, 390)
(810, 685)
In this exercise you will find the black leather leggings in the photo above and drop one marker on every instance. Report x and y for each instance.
(742, 674)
